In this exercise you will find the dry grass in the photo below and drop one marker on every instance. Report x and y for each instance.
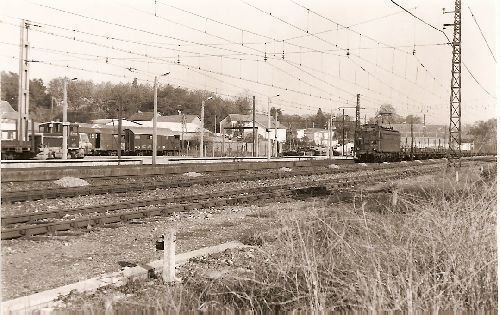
(437, 254)
(434, 251)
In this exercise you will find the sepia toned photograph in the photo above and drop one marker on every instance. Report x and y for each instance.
(168, 156)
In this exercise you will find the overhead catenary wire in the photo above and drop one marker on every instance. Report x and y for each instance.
(482, 34)
(72, 37)
(112, 23)
(449, 43)
(367, 37)
(323, 40)
(159, 57)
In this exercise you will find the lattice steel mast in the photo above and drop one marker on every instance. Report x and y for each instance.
(455, 128)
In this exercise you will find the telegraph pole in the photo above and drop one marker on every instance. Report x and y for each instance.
(65, 120)
(202, 126)
(343, 131)
(183, 126)
(155, 111)
(120, 134)
(269, 126)
(276, 133)
(357, 130)
(52, 108)
(268, 129)
(23, 95)
(254, 132)
(411, 133)
(357, 125)
(455, 128)
(329, 135)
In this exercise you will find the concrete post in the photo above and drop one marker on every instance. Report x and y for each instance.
(168, 274)
(155, 113)
(202, 126)
(65, 120)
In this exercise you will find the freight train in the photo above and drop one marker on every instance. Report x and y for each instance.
(377, 144)
(133, 140)
(84, 139)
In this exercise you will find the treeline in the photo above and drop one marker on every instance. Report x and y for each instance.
(88, 100)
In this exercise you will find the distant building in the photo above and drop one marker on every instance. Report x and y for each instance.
(241, 125)
(317, 135)
(176, 123)
(424, 136)
(8, 121)
(114, 122)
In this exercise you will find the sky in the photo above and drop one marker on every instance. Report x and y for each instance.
(314, 54)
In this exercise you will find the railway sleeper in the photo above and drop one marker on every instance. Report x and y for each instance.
(81, 223)
(59, 227)
(109, 219)
(130, 216)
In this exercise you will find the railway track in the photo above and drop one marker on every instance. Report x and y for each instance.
(36, 223)
(56, 193)
(53, 193)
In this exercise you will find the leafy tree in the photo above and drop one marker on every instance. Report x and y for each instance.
(484, 135)
(320, 120)
(38, 94)
(9, 88)
(278, 112)
(411, 118)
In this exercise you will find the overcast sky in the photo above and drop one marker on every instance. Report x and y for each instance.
(220, 46)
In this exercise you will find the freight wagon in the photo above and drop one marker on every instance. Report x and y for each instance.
(139, 141)
(103, 140)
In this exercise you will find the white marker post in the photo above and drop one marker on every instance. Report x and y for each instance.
(169, 256)
(394, 197)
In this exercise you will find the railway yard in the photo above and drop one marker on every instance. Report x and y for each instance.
(57, 235)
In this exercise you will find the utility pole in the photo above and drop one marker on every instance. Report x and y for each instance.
(202, 115)
(23, 95)
(120, 134)
(455, 128)
(223, 139)
(411, 133)
(275, 133)
(343, 133)
(183, 127)
(52, 108)
(155, 120)
(65, 120)
(254, 132)
(329, 135)
(202, 125)
(357, 129)
(269, 126)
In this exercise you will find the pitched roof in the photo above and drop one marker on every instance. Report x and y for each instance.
(259, 118)
(177, 118)
(141, 116)
(149, 131)
(6, 111)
